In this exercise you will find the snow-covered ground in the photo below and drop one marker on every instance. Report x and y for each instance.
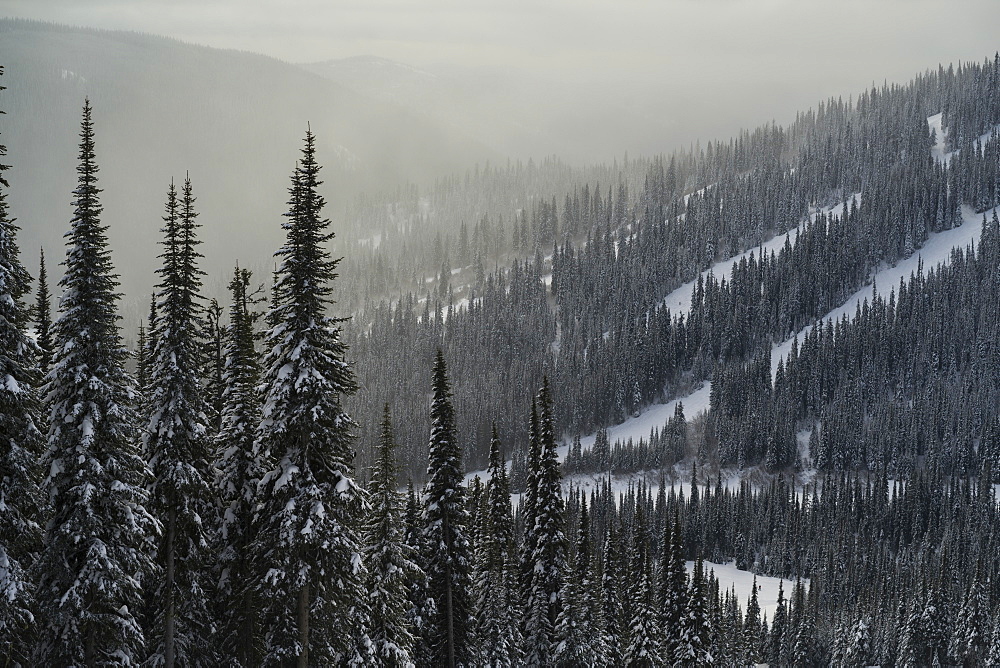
(935, 251)
(679, 301)
(731, 577)
(655, 416)
(938, 150)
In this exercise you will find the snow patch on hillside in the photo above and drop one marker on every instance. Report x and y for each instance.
(679, 301)
(731, 578)
(935, 251)
(656, 416)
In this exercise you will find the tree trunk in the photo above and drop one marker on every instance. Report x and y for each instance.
(303, 615)
(169, 612)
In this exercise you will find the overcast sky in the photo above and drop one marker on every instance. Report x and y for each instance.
(663, 36)
(736, 62)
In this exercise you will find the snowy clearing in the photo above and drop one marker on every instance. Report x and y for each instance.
(731, 577)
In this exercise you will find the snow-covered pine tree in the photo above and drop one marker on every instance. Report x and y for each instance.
(448, 560)
(611, 600)
(388, 559)
(498, 630)
(182, 495)
(21, 445)
(421, 611)
(644, 649)
(672, 583)
(752, 625)
(547, 559)
(150, 350)
(694, 648)
(43, 315)
(238, 474)
(309, 511)
(141, 358)
(776, 640)
(96, 549)
(971, 635)
(580, 633)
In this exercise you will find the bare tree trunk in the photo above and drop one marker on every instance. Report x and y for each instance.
(304, 626)
(169, 611)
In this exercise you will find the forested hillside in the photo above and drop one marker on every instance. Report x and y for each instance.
(585, 304)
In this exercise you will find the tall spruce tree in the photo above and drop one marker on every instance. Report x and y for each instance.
(498, 630)
(177, 445)
(388, 559)
(580, 633)
(546, 527)
(421, 611)
(644, 646)
(20, 444)
(238, 474)
(310, 507)
(695, 645)
(448, 558)
(43, 315)
(95, 557)
(672, 583)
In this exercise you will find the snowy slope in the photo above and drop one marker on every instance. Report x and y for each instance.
(679, 301)
(731, 577)
(935, 251)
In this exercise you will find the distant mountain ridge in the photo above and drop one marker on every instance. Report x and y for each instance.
(162, 107)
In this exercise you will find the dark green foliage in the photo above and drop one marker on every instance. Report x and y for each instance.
(21, 445)
(307, 544)
(447, 557)
(95, 558)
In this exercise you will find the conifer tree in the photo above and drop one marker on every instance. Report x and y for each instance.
(214, 364)
(390, 567)
(448, 558)
(611, 600)
(421, 611)
(20, 444)
(694, 648)
(238, 474)
(498, 633)
(776, 641)
(177, 445)
(580, 633)
(95, 557)
(547, 559)
(309, 505)
(142, 359)
(644, 648)
(43, 315)
(672, 582)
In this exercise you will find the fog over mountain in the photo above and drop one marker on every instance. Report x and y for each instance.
(231, 119)
(403, 96)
